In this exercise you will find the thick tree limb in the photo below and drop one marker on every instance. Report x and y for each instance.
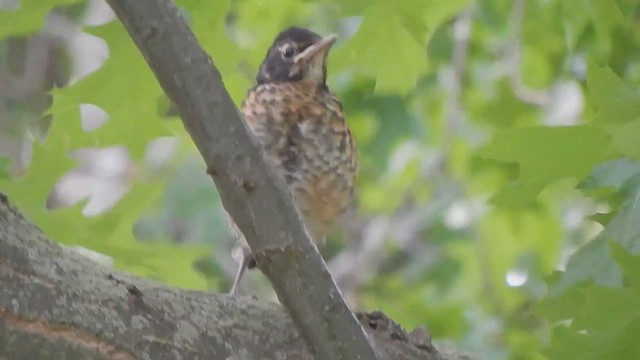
(252, 194)
(55, 304)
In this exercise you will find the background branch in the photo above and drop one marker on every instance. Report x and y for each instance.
(453, 113)
(514, 58)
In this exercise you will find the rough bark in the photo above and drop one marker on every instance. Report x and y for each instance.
(251, 192)
(56, 304)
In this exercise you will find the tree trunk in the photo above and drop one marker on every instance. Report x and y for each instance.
(56, 304)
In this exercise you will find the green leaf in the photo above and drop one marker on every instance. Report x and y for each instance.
(624, 228)
(209, 22)
(611, 175)
(595, 260)
(125, 88)
(625, 138)
(591, 262)
(604, 18)
(507, 237)
(630, 263)
(617, 103)
(30, 191)
(438, 12)
(545, 155)
(4, 168)
(422, 21)
(618, 109)
(604, 322)
(391, 42)
(29, 17)
(606, 309)
(602, 218)
(568, 344)
(501, 108)
(377, 46)
(561, 306)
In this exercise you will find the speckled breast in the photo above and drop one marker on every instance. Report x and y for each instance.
(304, 133)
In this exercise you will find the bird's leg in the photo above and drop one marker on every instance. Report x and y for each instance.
(245, 260)
(242, 268)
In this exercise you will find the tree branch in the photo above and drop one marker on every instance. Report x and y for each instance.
(453, 111)
(252, 194)
(514, 57)
(56, 304)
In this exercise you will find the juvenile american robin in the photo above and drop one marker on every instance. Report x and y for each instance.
(303, 132)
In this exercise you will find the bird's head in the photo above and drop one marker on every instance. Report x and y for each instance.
(296, 55)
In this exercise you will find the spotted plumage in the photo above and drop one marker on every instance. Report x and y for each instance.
(302, 129)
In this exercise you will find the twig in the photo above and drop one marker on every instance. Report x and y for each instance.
(453, 109)
(514, 57)
(266, 214)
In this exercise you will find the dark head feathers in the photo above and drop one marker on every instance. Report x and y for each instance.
(282, 63)
(298, 35)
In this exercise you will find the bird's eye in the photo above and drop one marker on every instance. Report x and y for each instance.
(288, 52)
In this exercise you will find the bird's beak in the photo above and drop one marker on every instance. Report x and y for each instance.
(321, 47)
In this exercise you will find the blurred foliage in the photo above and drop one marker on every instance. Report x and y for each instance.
(28, 17)
(525, 183)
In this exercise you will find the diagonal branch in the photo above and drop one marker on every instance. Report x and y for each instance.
(250, 191)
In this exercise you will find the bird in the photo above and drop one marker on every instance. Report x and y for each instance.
(301, 127)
